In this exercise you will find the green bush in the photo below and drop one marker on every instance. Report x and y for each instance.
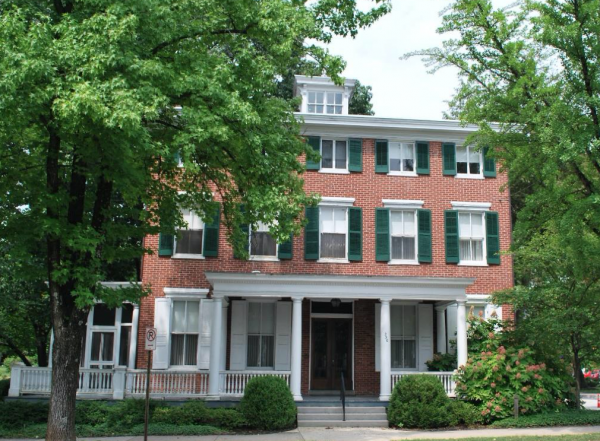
(4, 386)
(18, 414)
(268, 404)
(91, 413)
(442, 362)
(464, 414)
(128, 413)
(419, 401)
(557, 418)
(195, 412)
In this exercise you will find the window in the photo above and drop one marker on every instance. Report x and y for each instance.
(261, 335)
(325, 102)
(189, 240)
(468, 161)
(184, 333)
(404, 336)
(334, 229)
(471, 234)
(262, 243)
(402, 157)
(126, 324)
(403, 235)
(334, 154)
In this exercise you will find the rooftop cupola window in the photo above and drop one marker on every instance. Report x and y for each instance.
(320, 95)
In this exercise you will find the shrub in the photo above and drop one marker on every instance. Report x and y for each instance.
(464, 414)
(195, 412)
(128, 413)
(442, 362)
(268, 404)
(18, 414)
(4, 386)
(568, 417)
(419, 401)
(93, 413)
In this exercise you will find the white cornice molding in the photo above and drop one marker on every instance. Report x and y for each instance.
(186, 292)
(336, 202)
(404, 204)
(471, 206)
(343, 287)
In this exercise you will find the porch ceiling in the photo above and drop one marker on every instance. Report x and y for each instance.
(343, 287)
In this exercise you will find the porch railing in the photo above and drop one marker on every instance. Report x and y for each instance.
(37, 380)
(447, 379)
(234, 382)
(167, 382)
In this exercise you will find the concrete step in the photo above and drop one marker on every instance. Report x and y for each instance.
(347, 423)
(338, 417)
(338, 410)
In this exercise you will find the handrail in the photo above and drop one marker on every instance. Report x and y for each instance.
(343, 396)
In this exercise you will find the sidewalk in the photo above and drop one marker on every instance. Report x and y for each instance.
(359, 434)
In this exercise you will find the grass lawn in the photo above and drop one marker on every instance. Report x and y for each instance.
(588, 437)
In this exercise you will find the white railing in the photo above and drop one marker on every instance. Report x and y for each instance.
(447, 379)
(95, 381)
(167, 382)
(37, 380)
(234, 382)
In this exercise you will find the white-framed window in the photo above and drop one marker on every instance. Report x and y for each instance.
(334, 232)
(261, 335)
(126, 333)
(325, 102)
(402, 157)
(469, 162)
(188, 240)
(471, 232)
(185, 326)
(334, 154)
(262, 244)
(403, 235)
(404, 336)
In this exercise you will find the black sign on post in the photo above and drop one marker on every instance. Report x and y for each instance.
(150, 346)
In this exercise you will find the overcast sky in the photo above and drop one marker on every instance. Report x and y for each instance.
(401, 88)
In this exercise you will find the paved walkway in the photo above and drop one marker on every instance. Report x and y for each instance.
(358, 434)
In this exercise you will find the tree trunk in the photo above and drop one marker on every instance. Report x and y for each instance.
(42, 353)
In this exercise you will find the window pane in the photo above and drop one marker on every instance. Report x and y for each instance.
(103, 315)
(338, 98)
(178, 324)
(327, 154)
(330, 109)
(474, 168)
(407, 157)
(477, 250)
(311, 108)
(327, 224)
(333, 245)
(398, 244)
(191, 348)
(395, 156)
(465, 250)
(464, 225)
(410, 354)
(177, 349)
(408, 248)
(266, 353)
(262, 244)
(396, 221)
(477, 225)
(396, 320)
(338, 110)
(253, 350)
(461, 154)
(126, 313)
(340, 223)
(102, 346)
(320, 97)
(195, 222)
(267, 324)
(312, 97)
(189, 242)
(124, 345)
(409, 223)
(397, 353)
(461, 167)
(193, 316)
(340, 154)
(319, 109)
(253, 318)
(330, 98)
(410, 321)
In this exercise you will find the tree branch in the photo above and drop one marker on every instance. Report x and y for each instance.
(166, 44)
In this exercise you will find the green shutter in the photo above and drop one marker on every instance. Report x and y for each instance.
(311, 234)
(451, 230)
(355, 155)
(246, 234)
(449, 158)
(422, 157)
(492, 238)
(354, 233)
(211, 234)
(424, 225)
(315, 143)
(382, 235)
(165, 244)
(381, 156)
(489, 164)
(284, 251)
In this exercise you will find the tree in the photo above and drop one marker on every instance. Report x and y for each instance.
(529, 78)
(97, 101)
(360, 104)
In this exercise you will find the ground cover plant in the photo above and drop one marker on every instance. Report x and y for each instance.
(571, 417)
(585, 437)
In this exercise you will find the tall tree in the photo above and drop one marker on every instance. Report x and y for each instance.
(99, 97)
(360, 104)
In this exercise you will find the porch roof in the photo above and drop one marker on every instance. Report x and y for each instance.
(338, 286)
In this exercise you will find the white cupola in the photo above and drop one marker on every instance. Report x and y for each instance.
(320, 95)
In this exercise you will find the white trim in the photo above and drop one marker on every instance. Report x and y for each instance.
(403, 262)
(333, 260)
(478, 299)
(402, 204)
(334, 171)
(463, 176)
(472, 263)
(186, 293)
(400, 173)
(264, 258)
(471, 206)
(187, 256)
(336, 202)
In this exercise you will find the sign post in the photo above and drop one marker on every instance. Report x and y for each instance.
(150, 346)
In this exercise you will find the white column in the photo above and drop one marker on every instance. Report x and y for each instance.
(215, 348)
(441, 329)
(15, 380)
(385, 380)
(135, 322)
(461, 332)
(296, 374)
(119, 382)
(224, 336)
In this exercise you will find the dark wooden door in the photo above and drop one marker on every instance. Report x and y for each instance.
(331, 354)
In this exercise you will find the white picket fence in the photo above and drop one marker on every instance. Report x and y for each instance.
(447, 379)
(37, 380)
(234, 382)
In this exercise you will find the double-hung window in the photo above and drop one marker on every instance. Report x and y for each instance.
(262, 243)
(125, 338)
(184, 333)
(334, 232)
(404, 336)
(471, 237)
(468, 161)
(189, 240)
(103, 337)
(403, 235)
(334, 154)
(261, 335)
(402, 157)
(325, 102)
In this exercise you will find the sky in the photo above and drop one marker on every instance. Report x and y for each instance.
(401, 88)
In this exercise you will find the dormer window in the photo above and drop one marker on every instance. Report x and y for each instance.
(325, 102)
(321, 96)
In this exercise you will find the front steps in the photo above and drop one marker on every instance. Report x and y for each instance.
(329, 414)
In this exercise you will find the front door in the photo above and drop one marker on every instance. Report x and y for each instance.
(331, 354)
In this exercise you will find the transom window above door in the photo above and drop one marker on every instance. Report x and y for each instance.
(189, 239)
(402, 157)
(325, 102)
(334, 154)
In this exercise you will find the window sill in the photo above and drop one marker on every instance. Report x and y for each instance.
(461, 176)
(263, 258)
(472, 264)
(399, 173)
(332, 260)
(188, 256)
(186, 368)
(403, 262)
(333, 171)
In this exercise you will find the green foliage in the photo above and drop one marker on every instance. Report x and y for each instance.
(268, 404)
(442, 362)
(462, 413)
(360, 104)
(4, 386)
(419, 401)
(196, 412)
(19, 414)
(557, 418)
(499, 368)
